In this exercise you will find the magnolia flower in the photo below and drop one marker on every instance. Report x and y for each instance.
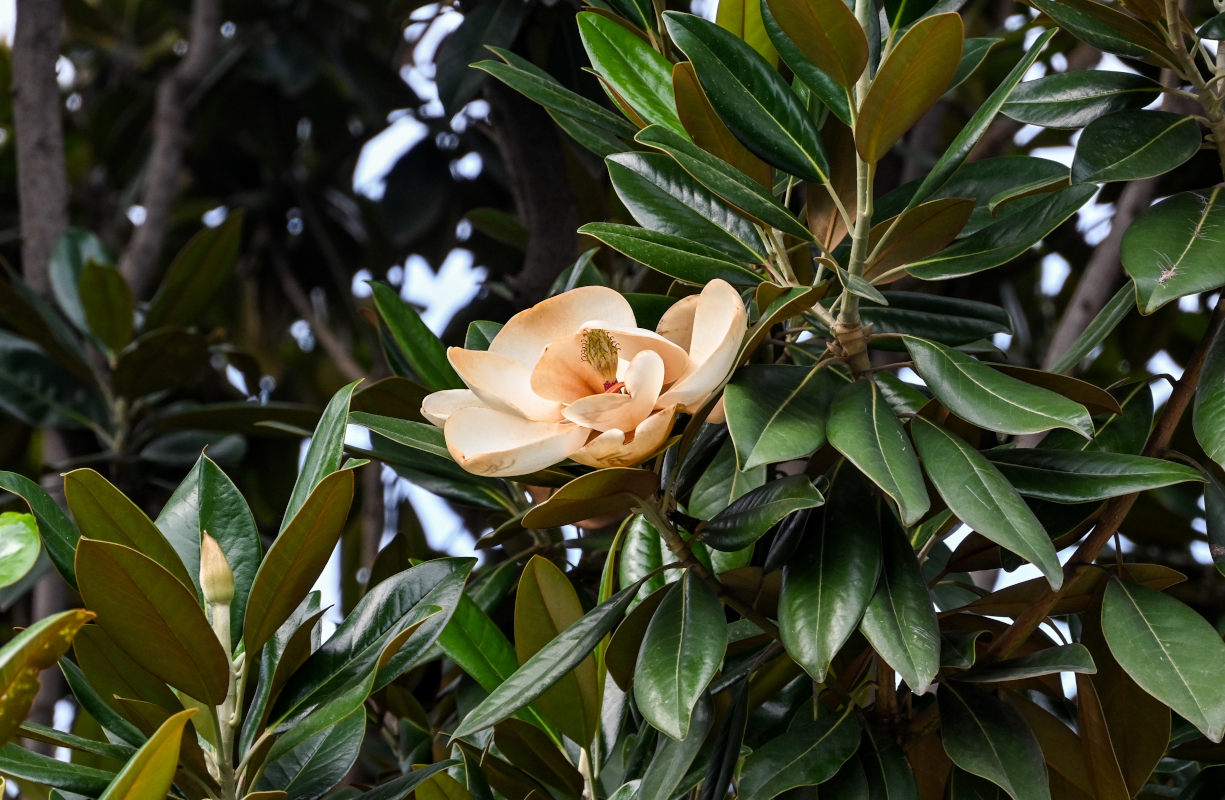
(575, 377)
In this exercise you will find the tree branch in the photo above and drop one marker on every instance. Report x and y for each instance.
(42, 180)
(139, 262)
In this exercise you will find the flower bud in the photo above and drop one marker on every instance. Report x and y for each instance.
(216, 577)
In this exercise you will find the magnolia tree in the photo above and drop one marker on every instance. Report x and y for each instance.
(775, 593)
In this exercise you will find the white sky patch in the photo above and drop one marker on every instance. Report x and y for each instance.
(1161, 363)
(1001, 340)
(1055, 272)
(382, 152)
(457, 282)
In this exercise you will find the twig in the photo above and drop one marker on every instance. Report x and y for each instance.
(139, 261)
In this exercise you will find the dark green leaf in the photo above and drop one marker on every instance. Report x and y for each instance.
(323, 454)
(670, 763)
(751, 97)
(1096, 331)
(485, 24)
(601, 492)
(1209, 409)
(681, 651)
(1051, 661)
(1074, 99)
(777, 412)
(22, 764)
(315, 766)
(973, 54)
(948, 320)
(1133, 145)
(827, 90)
(636, 72)
(1103, 27)
(1175, 248)
(40, 391)
(402, 787)
(1171, 651)
(196, 274)
(749, 517)
(1067, 476)
(808, 754)
(57, 530)
(900, 621)
(73, 251)
(165, 358)
(864, 429)
(983, 499)
(107, 303)
(683, 259)
(722, 482)
(989, 738)
(417, 435)
(418, 344)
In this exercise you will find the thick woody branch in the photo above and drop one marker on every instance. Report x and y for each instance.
(175, 95)
(42, 181)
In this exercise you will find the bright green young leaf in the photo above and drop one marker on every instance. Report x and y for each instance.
(103, 512)
(716, 175)
(828, 35)
(916, 73)
(27, 654)
(681, 651)
(1074, 99)
(989, 738)
(297, 557)
(990, 399)
(663, 197)
(107, 302)
(1175, 248)
(545, 605)
(749, 517)
(777, 412)
(743, 18)
(1171, 651)
(1132, 145)
(864, 429)
(1069, 476)
(19, 546)
(601, 492)
(900, 621)
(149, 773)
(548, 665)
(197, 273)
(153, 617)
(708, 132)
(685, 260)
(829, 581)
(751, 97)
(806, 755)
(59, 534)
(635, 70)
(982, 498)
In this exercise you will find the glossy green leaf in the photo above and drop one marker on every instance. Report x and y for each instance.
(40, 391)
(420, 347)
(21, 764)
(777, 412)
(149, 773)
(964, 143)
(989, 738)
(536, 754)
(1133, 145)
(548, 665)
(749, 517)
(103, 512)
(635, 71)
(1174, 248)
(1171, 651)
(297, 557)
(91, 702)
(594, 494)
(722, 482)
(317, 765)
(685, 260)
(1104, 27)
(982, 498)
(663, 197)
(719, 177)
(1209, 409)
(401, 787)
(1214, 516)
(807, 754)
(751, 97)
(1067, 476)
(642, 553)
(114, 674)
(153, 617)
(545, 605)
(826, 90)
(743, 18)
(681, 651)
(496, 23)
(1097, 330)
(1006, 239)
(885, 767)
(864, 429)
(417, 435)
(973, 53)
(107, 303)
(26, 655)
(478, 646)
(59, 534)
(73, 251)
(915, 234)
(19, 546)
(196, 274)
(1074, 99)
(990, 399)
(917, 71)
(671, 760)
(1051, 661)
(829, 581)
(288, 649)
(709, 133)
(323, 454)
(900, 621)
(949, 320)
(828, 35)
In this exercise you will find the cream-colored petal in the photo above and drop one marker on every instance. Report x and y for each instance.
(676, 324)
(561, 374)
(526, 334)
(605, 411)
(438, 406)
(616, 449)
(502, 383)
(490, 442)
(719, 327)
(632, 341)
